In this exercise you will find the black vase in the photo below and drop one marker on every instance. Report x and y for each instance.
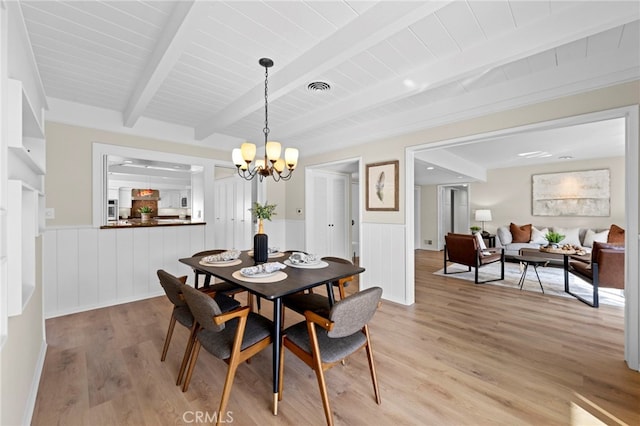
(260, 248)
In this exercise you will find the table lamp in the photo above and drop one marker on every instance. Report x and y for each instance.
(483, 216)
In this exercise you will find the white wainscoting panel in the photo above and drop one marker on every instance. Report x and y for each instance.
(383, 256)
(86, 268)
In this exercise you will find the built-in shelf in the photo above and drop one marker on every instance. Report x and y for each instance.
(25, 140)
(22, 229)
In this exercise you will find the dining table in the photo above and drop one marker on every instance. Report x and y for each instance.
(292, 279)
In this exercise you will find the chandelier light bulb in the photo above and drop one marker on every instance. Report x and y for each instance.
(291, 157)
(248, 151)
(273, 151)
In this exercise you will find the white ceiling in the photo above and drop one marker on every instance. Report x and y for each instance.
(394, 67)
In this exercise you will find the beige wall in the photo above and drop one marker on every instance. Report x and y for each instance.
(69, 161)
(507, 193)
(428, 215)
(512, 202)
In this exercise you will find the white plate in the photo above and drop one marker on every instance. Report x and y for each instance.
(270, 255)
(219, 262)
(262, 275)
(315, 265)
(290, 263)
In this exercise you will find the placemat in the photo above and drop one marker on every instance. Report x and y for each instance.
(278, 276)
(321, 264)
(271, 255)
(222, 264)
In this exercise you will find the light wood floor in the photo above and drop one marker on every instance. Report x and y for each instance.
(462, 355)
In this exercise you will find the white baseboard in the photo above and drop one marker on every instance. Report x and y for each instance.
(35, 384)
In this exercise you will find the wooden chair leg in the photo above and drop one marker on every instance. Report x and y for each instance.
(192, 364)
(228, 383)
(323, 392)
(187, 353)
(372, 367)
(167, 339)
(317, 366)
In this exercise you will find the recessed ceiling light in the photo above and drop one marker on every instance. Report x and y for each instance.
(535, 154)
(430, 168)
(566, 157)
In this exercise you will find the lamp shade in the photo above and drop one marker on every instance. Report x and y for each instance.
(483, 215)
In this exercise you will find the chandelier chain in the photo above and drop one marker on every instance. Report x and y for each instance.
(266, 104)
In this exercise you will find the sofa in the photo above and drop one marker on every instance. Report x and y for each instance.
(514, 238)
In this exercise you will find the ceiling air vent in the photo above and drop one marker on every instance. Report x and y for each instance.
(318, 86)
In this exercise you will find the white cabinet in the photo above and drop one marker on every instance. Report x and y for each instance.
(328, 210)
(232, 201)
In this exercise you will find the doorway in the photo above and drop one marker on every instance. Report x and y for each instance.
(453, 211)
(332, 225)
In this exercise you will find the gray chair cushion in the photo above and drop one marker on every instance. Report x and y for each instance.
(172, 287)
(331, 350)
(183, 315)
(352, 313)
(301, 302)
(219, 343)
(226, 303)
(203, 307)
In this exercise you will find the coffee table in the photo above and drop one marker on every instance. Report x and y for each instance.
(535, 262)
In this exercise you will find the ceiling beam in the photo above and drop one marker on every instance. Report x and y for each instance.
(375, 25)
(173, 38)
(567, 26)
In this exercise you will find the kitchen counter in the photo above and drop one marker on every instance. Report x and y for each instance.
(156, 221)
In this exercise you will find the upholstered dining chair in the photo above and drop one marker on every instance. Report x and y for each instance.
(323, 342)
(234, 337)
(318, 303)
(172, 286)
(342, 282)
(464, 249)
(220, 287)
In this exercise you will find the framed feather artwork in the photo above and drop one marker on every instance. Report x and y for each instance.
(383, 189)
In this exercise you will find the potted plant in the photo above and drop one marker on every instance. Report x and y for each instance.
(475, 229)
(261, 240)
(145, 213)
(553, 238)
(261, 212)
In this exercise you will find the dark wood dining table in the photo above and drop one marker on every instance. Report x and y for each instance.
(298, 279)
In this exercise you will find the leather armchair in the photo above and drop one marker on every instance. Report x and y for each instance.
(606, 269)
(464, 250)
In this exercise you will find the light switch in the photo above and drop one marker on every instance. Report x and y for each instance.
(49, 213)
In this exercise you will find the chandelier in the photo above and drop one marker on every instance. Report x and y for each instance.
(272, 165)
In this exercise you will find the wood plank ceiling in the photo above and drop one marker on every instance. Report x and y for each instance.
(393, 67)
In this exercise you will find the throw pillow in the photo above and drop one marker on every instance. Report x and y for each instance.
(521, 234)
(537, 235)
(504, 235)
(591, 236)
(571, 236)
(616, 235)
(480, 240)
